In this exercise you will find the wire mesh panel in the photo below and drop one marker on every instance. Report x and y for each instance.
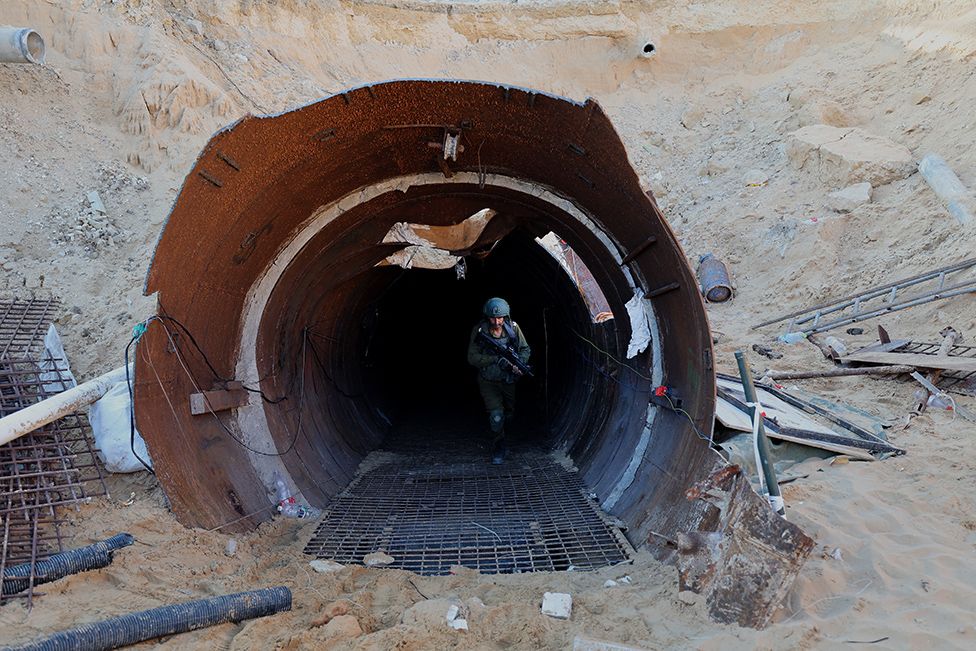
(50, 467)
(431, 512)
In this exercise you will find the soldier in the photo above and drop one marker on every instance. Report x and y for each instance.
(496, 375)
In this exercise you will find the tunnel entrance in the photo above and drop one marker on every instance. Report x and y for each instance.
(286, 256)
(281, 247)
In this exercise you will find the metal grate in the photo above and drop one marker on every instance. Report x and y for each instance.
(45, 469)
(957, 381)
(431, 512)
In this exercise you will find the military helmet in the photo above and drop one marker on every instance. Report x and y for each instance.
(496, 307)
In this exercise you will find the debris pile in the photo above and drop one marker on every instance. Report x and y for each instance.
(87, 225)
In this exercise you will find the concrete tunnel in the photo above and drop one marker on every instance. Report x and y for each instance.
(313, 255)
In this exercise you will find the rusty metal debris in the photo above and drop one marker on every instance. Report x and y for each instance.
(745, 562)
(50, 468)
(713, 275)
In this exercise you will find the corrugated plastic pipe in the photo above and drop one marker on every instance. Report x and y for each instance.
(167, 620)
(21, 45)
(17, 578)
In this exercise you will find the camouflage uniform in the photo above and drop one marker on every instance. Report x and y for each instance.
(496, 381)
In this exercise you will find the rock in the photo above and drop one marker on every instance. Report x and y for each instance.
(195, 26)
(343, 627)
(610, 583)
(95, 202)
(219, 45)
(459, 624)
(231, 547)
(755, 178)
(692, 117)
(333, 610)
(850, 197)
(377, 559)
(431, 613)
(845, 155)
(921, 97)
(325, 567)
(452, 612)
(557, 604)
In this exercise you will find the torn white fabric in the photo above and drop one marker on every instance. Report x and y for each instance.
(422, 257)
(640, 331)
(56, 373)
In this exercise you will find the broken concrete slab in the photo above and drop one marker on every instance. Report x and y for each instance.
(557, 604)
(745, 565)
(850, 197)
(842, 156)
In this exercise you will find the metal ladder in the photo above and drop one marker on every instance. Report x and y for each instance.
(878, 301)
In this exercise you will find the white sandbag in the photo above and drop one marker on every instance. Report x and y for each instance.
(109, 418)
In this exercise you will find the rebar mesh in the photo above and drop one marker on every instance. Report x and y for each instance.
(430, 512)
(46, 469)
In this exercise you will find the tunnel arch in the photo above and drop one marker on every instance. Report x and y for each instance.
(280, 224)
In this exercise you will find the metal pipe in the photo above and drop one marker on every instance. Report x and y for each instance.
(944, 182)
(769, 475)
(21, 45)
(713, 276)
(47, 411)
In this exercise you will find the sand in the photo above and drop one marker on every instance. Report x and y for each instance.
(133, 89)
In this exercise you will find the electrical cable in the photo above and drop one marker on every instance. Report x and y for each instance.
(141, 328)
(301, 401)
(206, 360)
(128, 384)
(325, 372)
(624, 364)
(638, 389)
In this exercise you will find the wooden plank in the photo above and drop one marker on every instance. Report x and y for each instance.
(219, 400)
(918, 360)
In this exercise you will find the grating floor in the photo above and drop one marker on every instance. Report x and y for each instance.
(49, 468)
(430, 511)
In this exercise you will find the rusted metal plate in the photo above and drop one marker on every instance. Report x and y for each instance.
(746, 560)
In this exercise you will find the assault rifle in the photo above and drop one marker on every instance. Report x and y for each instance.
(506, 352)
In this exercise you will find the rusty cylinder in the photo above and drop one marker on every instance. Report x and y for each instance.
(713, 277)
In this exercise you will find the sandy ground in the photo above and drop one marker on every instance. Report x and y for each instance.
(133, 89)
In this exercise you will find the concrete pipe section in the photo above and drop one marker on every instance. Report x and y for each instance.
(335, 258)
(21, 45)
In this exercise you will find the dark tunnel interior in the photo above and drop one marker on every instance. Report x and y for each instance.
(417, 333)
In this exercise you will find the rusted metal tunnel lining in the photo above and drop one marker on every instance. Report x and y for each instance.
(269, 258)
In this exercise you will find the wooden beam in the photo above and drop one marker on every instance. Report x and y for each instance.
(918, 360)
(217, 400)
